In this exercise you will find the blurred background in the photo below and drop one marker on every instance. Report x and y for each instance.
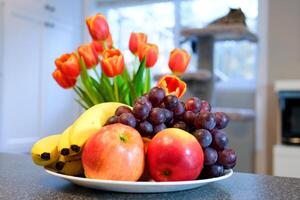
(249, 70)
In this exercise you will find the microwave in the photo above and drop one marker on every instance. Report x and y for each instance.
(289, 104)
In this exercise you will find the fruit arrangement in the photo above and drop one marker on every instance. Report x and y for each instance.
(129, 131)
(160, 138)
(156, 111)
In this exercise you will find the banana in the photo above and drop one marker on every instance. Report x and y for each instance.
(90, 122)
(69, 165)
(44, 152)
(64, 143)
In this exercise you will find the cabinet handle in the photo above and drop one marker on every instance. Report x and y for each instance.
(49, 8)
(49, 25)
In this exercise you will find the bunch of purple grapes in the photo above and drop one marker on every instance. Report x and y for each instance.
(156, 111)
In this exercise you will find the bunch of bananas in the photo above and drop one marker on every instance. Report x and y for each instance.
(62, 152)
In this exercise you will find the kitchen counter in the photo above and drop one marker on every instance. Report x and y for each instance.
(21, 179)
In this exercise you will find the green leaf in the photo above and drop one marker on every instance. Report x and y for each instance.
(100, 93)
(85, 78)
(147, 81)
(107, 88)
(138, 79)
(132, 93)
(84, 97)
(81, 104)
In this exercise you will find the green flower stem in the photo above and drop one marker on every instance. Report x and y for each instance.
(85, 80)
(116, 89)
(97, 74)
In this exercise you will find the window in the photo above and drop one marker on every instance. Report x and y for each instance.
(156, 20)
(232, 60)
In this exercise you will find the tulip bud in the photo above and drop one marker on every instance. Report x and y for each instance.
(99, 45)
(62, 80)
(112, 63)
(68, 64)
(150, 52)
(172, 85)
(89, 55)
(135, 42)
(179, 60)
(98, 27)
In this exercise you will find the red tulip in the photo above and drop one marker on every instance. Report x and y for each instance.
(89, 55)
(112, 63)
(62, 80)
(172, 85)
(98, 27)
(150, 52)
(68, 64)
(179, 60)
(98, 45)
(135, 42)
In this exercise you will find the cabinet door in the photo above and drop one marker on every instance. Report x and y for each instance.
(66, 11)
(20, 85)
(58, 108)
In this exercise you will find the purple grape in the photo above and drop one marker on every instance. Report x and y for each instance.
(157, 116)
(143, 100)
(210, 156)
(212, 171)
(189, 117)
(205, 106)
(159, 127)
(122, 109)
(204, 137)
(169, 115)
(145, 128)
(180, 124)
(156, 96)
(146, 95)
(127, 119)
(221, 120)
(193, 104)
(220, 140)
(112, 120)
(141, 111)
(231, 166)
(162, 105)
(205, 120)
(171, 102)
(179, 109)
(227, 158)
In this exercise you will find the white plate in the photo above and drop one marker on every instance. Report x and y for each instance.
(139, 187)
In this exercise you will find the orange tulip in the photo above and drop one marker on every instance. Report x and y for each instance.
(98, 27)
(68, 64)
(112, 63)
(172, 85)
(179, 60)
(98, 45)
(89, 55)
(135, 42)
(62, 80)
(150, 52)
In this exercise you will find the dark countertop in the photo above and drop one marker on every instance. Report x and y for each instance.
(21, 179)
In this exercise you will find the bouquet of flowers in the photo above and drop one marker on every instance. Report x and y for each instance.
(112, 82)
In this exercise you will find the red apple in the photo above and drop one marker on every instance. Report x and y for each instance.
(174, 155)
(116, 152)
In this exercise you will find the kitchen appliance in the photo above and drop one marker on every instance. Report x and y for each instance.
(289, 103)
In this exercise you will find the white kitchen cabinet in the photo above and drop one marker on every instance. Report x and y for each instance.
(286, 161)
(32, 104)
(58, 109)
